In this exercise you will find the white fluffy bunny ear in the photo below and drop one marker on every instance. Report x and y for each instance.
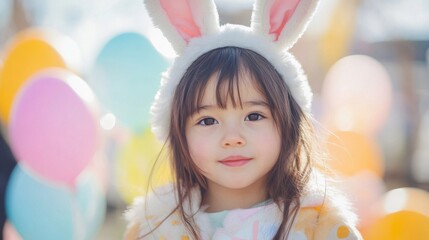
(283, 21)
(182, 20)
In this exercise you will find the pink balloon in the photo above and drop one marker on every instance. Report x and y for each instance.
(53, 127)
(357, 94)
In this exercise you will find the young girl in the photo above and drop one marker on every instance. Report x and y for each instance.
(234, 111)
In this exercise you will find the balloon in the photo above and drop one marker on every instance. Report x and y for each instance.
(356, 95)
(9, 232)
(399, 225)
(135, 162)
(126, 76)
(53, 127)
(39, 209)
(352, 152)
(28, 53)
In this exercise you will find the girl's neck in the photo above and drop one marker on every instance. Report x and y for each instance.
(219, 198)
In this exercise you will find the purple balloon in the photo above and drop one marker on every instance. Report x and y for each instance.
(53, 127)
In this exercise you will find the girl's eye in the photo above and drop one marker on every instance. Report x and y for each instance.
(254, 117)
(207, 122)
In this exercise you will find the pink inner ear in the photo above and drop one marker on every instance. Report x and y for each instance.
(179, 13)
(280, 13)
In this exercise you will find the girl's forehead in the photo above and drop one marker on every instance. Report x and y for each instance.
(245, 88)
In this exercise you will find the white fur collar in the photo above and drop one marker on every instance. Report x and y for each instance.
(163, 201)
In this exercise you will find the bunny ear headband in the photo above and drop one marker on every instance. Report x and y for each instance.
(192, 27)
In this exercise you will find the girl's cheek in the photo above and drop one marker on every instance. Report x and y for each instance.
(199, 153)
(269, 138)
(196, 143)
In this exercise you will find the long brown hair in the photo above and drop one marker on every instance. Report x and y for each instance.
(290, 174)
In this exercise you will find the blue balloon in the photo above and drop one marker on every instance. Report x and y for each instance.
(39, 209)
(126, 76)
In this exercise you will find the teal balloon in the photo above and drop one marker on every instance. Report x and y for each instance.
(125, 77)
(39, 209)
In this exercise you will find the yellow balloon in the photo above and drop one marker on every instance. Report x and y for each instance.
(29, 52)
(399, 225)
(135, 164)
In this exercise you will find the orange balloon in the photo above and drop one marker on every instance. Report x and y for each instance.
(399, 225)
(28, 53)
(352, 152)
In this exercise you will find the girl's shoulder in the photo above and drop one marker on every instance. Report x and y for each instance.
(325, 212)
(159, 202)
(155, 214)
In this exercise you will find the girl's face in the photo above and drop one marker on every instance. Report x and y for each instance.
(234, 147)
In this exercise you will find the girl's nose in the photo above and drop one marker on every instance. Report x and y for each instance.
(233, 139)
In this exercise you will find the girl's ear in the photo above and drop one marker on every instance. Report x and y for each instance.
(283, 21)
(182, 20)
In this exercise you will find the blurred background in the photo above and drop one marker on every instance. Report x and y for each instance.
(77, 79)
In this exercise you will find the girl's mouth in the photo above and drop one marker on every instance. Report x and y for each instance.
(235, 161)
